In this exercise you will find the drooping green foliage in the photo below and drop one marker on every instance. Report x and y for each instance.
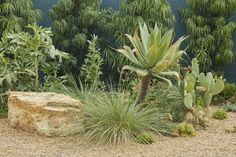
(74, 21)
(134, 11)
(168, 100)
(153, 54)
(199, 90)
(210, 31)
(91, 70)
(23, 56)
(15, 15)
(229, 90)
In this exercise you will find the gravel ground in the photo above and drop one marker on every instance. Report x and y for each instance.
(213, 142)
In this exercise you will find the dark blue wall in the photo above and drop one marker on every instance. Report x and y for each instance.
(229, 71)
(44, 6)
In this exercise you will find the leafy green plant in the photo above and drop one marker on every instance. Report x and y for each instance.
(220, 114)
(24, 55)
(199, 90)
(153, 55)
(145, 138)
(229, 90)
(3, 103)
(186, 129)
(91, 70)
(15, 15)
(210, 31)
(229, 107)
(171, 101)
(113, 119)
(73, 22)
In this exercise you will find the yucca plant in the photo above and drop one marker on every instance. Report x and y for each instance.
(153, 55)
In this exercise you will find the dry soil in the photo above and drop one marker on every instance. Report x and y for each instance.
(213, 142)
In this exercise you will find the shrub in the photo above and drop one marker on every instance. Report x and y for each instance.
(229, 107)
(220, 114)
(73, 22)
(91, 70)
(229, 90)
(168, 100)
(113, 119)
(23, 56)
(14, 16)
(210, 31)
(186, 129)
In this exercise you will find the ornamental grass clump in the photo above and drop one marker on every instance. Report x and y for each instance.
(111, 118)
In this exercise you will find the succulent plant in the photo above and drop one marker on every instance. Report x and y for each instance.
(199, 90)
(153, 55)
(186, 129)
(229, 107)
(220, 114)
(146, 138)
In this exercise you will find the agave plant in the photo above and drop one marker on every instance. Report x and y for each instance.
(153, 55)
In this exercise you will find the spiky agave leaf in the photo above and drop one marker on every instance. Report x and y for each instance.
(153, 52)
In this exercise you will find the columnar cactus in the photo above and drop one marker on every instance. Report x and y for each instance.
(199, 90)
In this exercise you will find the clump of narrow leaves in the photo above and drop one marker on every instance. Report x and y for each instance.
(112, 118)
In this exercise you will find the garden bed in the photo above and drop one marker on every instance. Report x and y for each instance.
(212, 142)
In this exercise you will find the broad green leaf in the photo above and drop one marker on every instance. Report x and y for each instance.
(172, 73)
(161, 66)
(144, 35)
(128, 53)
(171, 52)
(140, 72)
(137, 45)
(164, 79)
(188, 101)
(151, 54)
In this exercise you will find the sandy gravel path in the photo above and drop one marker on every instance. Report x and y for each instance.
(213, 142)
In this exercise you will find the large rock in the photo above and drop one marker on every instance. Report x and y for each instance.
(48, 114)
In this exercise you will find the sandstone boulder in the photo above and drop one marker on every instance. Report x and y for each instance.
(48, 114)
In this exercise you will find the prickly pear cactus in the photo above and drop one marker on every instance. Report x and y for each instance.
(199, 90)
